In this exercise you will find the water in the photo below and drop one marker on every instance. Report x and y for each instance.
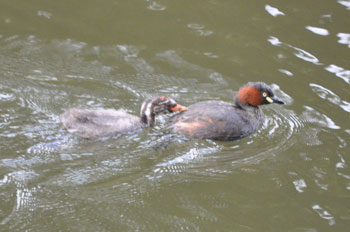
(292, 175)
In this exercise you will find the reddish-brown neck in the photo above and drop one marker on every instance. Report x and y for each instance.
(250, 95)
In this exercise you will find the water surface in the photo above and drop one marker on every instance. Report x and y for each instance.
(291, 175)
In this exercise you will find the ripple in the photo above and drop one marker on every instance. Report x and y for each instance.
(200, 29)
(344, 38)
(287, 72)
(274, 41)
(49, 147)
(318, 30)
(313, 116)
(42, 77)
(127, 88)
(131, 58)
(300, 53)
(300, 185)
(24, 199)
(215, 159)
(156, 6)
(324, 214)
(328, 95)
(44, 14)
(345, 3)
(69, 45)
(342, 169)
(7, 97)
(21, 177)
(339, 72)
(310, 137)
(195, 71)
(273, 11)
(304, 55)
(44, 176)
(217, 77)
(190, 156)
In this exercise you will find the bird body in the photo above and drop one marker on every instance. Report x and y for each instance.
(224, 121)
(92, 124)
(99, 123)
(219, 120)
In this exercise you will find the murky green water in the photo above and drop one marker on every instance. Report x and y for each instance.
(292, 175)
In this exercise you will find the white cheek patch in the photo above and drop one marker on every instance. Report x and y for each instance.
(143, 108)
(148, 111)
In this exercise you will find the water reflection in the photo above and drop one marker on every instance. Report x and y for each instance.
(339, 72)
(324, 214)
(273, 11)
(202, 159)
(324, 93)
(318, 30)
(131, 57)
(44, 14)
(287, 72)
(274, 41)
(156, 6)
(24, 195)
(154, 180)
(300, 185)
(313, 116)
(200, 29)
(304, 55)
(300, 53)
(345, 3)
(344, 38)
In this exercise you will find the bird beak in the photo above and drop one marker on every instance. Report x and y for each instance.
(178, 107)
(274, 99)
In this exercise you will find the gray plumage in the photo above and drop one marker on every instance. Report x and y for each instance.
(92, 124)
(217, 120)
(224, 121)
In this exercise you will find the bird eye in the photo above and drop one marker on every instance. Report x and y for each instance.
(264, 94)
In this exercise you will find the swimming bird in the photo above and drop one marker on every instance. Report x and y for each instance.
(97, 123)
(219, 120)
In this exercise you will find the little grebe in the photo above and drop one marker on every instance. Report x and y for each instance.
(92, 124)
(224, 121)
